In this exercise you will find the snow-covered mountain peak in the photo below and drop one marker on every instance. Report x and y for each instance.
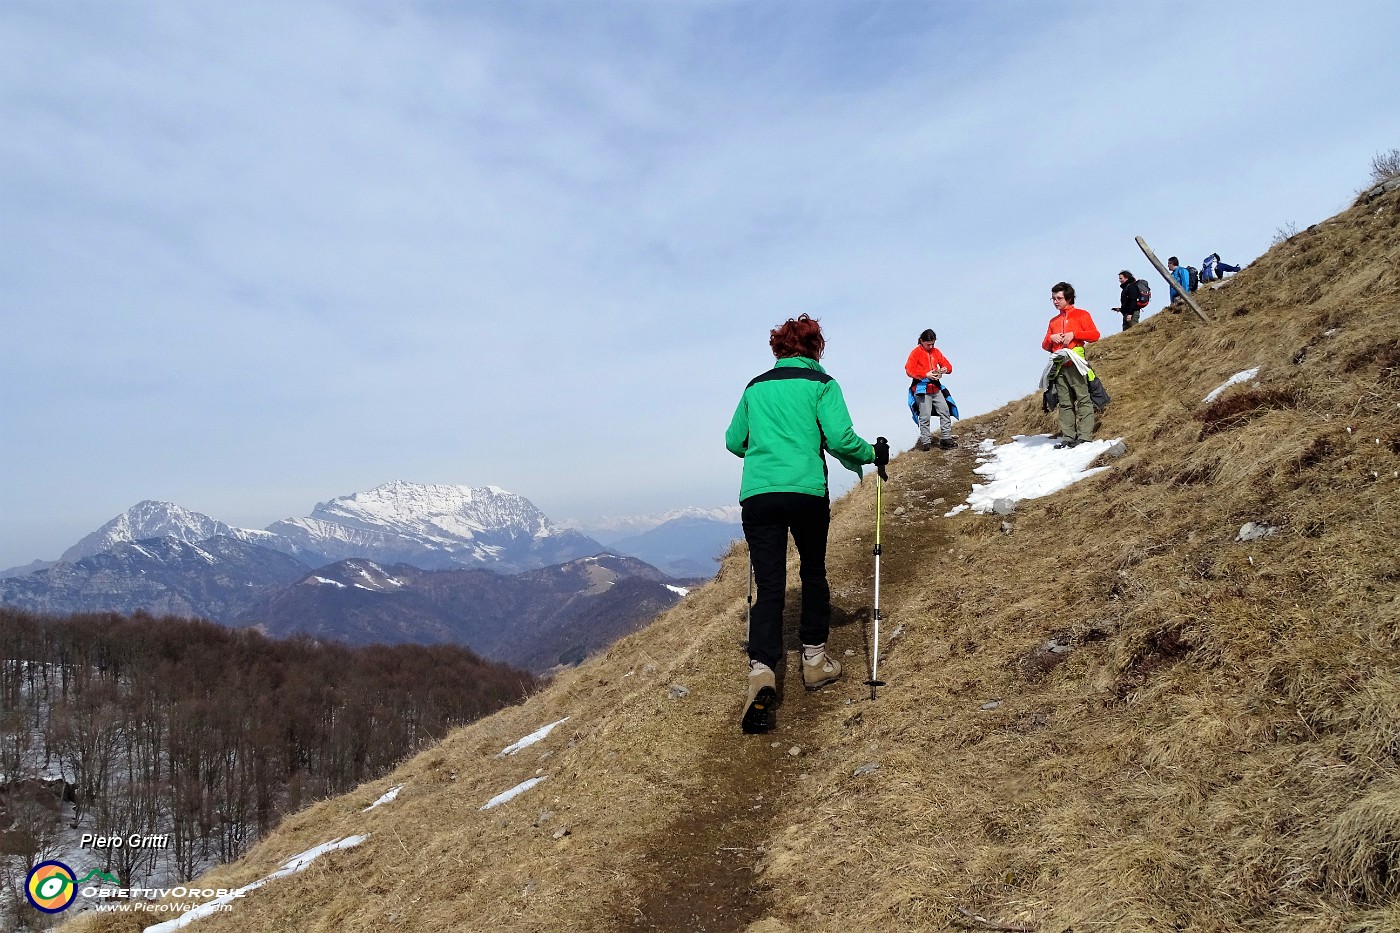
(147, 519)
(448, 512)
(431, 526)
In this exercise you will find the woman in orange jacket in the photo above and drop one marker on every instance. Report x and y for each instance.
(927, 366)
(1069, 330)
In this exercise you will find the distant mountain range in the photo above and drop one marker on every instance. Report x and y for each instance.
(403, 562)
(435, 527)
(213, 579)
(684, 542)
(683, 547)
(429, 526)
(610, 528)
(536, 619)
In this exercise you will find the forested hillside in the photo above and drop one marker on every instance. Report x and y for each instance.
(143, 725)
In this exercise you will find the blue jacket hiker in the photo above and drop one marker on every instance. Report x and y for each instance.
(1182, 277)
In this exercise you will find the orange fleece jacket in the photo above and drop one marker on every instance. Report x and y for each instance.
(1074, 320)
(921, 361)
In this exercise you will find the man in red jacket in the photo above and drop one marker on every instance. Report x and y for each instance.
(927, 366)
(1070, 329)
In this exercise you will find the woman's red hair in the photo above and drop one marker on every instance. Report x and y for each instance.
(799, 336)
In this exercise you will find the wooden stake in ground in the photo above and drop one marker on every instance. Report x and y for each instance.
(1152, 258)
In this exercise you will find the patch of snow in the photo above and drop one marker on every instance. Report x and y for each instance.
(293, 865)
(1252, 531)
(511, 794)
(388, 795)
(1236, 379)
(1030, 467)
(531, 739)
(678, 590)
(330, 581)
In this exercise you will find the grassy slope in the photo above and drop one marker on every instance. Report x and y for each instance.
(1220, 750)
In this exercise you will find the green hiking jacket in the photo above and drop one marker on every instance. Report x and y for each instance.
(785, 418)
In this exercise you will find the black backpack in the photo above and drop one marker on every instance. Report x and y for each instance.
(1195, 278)
(1144, 293)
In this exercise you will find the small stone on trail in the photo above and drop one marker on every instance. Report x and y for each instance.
(1006, 528)
(1118, 449)
(991, 704)
(850, 652)
(562, 832)
(939, 501)
(899, 510)
(677, 691)
(1004, 506)
(869, 767)
(795, 751)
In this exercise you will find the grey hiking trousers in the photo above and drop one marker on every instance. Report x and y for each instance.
(929, 403)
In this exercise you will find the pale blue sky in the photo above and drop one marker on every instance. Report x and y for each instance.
(257, 255)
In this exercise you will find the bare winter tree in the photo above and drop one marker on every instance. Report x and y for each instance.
(1385, 166)
(30, 827)
(14, 743)
(86, 730)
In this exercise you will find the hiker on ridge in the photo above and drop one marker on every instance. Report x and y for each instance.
(1069, 330)
(1131, 301)
(1208, 268)
(1182, 277)
(927, 366)
(1213, 267)
(785, 419)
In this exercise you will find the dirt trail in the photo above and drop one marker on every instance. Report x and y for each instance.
(706, 864)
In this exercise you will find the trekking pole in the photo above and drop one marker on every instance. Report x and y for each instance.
(874, 681)
(750, 615)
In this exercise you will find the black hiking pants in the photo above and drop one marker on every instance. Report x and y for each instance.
(767, 518)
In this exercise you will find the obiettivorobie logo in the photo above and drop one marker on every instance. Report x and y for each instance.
(52, 886)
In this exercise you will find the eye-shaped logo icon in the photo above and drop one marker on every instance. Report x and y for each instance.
(51, 887)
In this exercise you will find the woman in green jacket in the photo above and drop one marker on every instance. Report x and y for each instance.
(786, 418)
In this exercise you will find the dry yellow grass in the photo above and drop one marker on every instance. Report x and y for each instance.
(1219, 751)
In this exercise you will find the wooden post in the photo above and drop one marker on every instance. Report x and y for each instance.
(1171, 282)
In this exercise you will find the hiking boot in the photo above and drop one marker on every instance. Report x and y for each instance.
(820, 671)
(1068, 442)
(763, 696)
(924, 445)
(947, 443)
